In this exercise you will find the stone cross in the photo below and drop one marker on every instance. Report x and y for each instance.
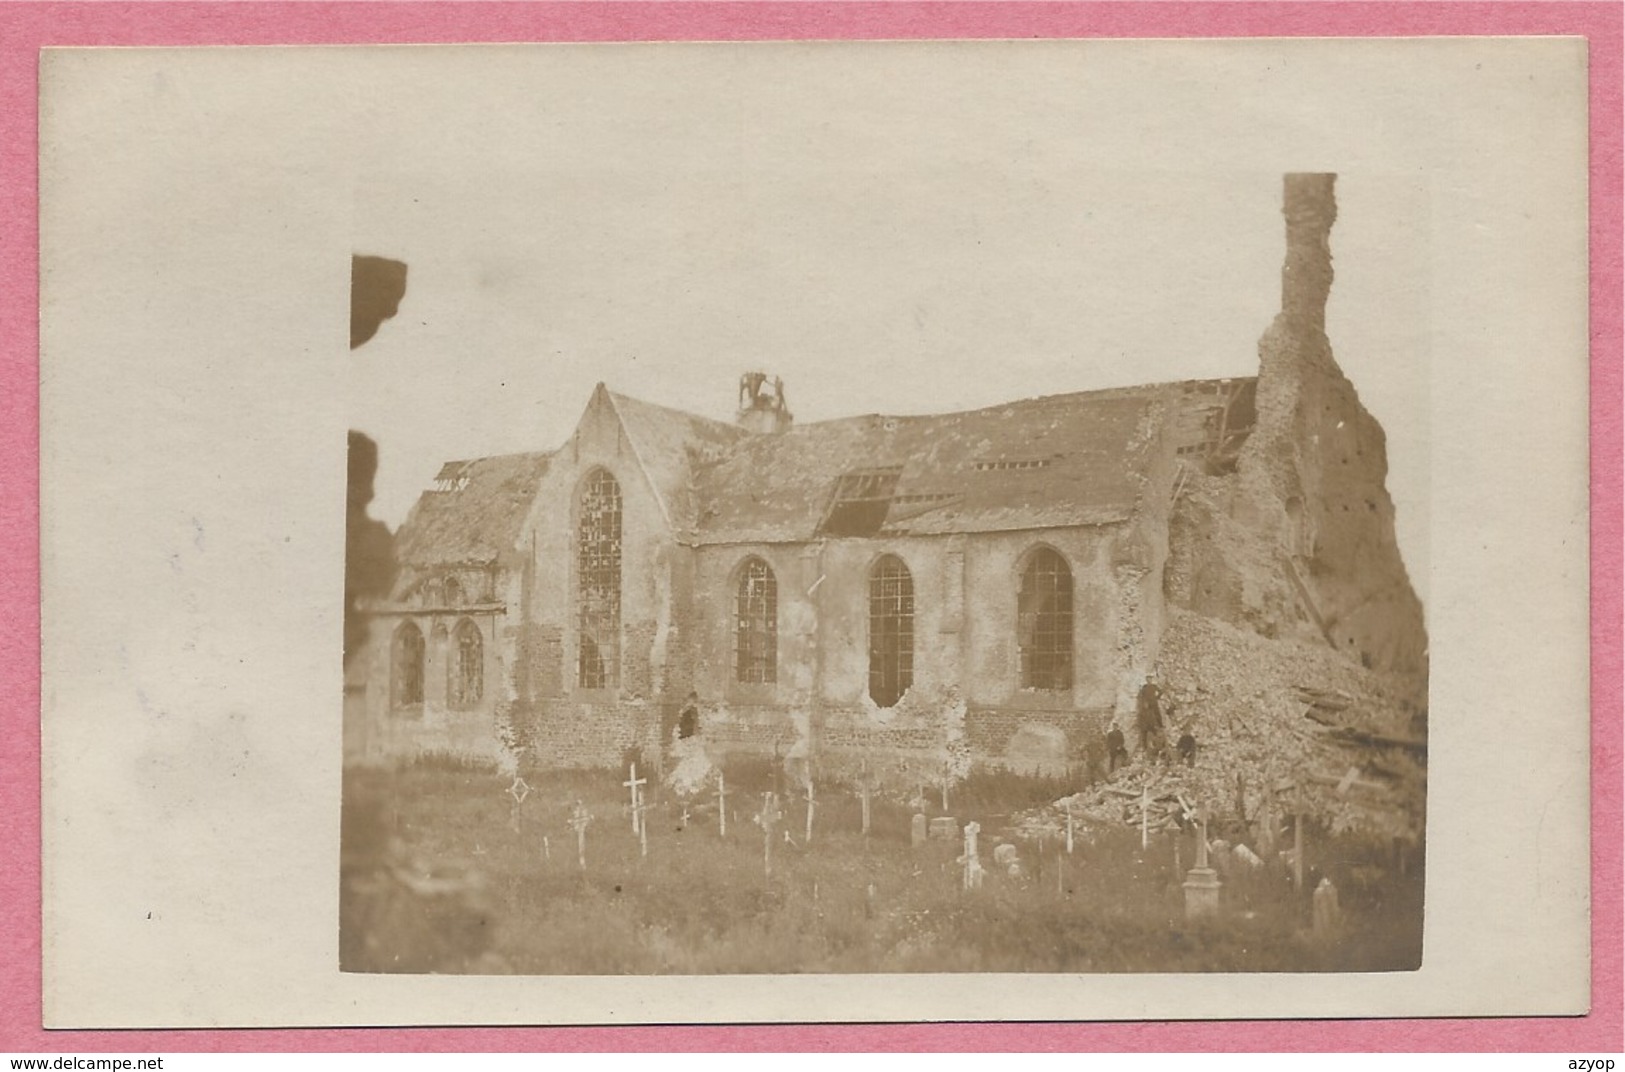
(722, 805)
(634, 783)
(580, 817)
(769, 821)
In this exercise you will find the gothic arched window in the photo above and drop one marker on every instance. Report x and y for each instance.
(1044, 622)
(891, 631)
(466, 681)
(756, 624)
(598, 581)
(406, 667)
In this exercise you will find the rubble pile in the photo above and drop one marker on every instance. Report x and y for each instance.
(1287, 716)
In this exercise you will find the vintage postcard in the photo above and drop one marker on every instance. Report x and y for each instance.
(814, 531)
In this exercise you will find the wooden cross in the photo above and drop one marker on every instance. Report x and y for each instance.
(722, 805)
(1297, 836)
(634, 783)
(769, 820)
(518, 791)
(643, 827)
(580, 817)
(1145, 815)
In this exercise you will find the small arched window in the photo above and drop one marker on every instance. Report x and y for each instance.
(1044, 622)
(406, 667)
(891, 631)
(454, 592)
(466, 683)
(756, 624)
(598, 581)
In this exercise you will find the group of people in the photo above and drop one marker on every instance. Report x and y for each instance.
(1149, 723)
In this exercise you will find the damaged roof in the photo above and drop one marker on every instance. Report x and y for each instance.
(669, 444)
(474, 514)
(1056, 461)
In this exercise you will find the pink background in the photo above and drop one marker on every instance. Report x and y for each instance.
(27, 27)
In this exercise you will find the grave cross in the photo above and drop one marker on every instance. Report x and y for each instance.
(769, 821)
(580, 817)
(634, 783)
(1145, 815)
(642, 825)
(864, 790)
(519, 790)
(722, 805)
(1297, 836)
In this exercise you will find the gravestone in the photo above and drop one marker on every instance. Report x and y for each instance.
(917, 830)
(1004, 855)
(1327, 914)
(1201, 882)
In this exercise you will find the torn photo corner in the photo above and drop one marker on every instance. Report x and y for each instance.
(814, 532)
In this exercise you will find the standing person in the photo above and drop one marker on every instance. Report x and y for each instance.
(1116, 753)
(1148, 719)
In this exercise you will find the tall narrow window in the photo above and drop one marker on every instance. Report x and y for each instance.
(756, 624)
(467, 668)
(891, 631)
(406, 667)
(1044, 622)
(598, 595)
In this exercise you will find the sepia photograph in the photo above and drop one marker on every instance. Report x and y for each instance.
(994, 641)
(813, 531)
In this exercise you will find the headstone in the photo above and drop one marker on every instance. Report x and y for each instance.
(1247, 856)
(945, 827)
(1004, 855)
(917, 830)
(1327, 914)
(1201, 881)
(1201, 893)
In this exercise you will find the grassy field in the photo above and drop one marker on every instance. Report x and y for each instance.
(495, 899)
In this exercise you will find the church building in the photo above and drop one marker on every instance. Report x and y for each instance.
(983, 588)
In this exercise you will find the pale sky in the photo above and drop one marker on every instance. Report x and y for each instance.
(895, 231)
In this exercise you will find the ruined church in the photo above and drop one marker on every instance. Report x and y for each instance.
(990, 588)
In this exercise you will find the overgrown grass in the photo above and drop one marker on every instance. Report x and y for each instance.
(701, 903)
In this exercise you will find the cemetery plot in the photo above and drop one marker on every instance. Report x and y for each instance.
(450, 868)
